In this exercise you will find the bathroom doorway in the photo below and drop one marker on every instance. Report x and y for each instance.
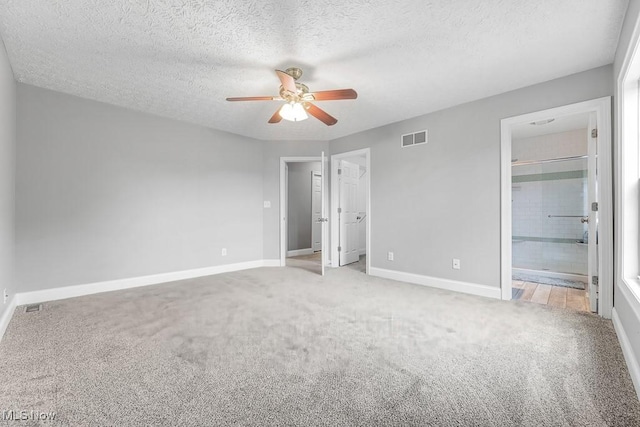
(550, 212)
(552, 209)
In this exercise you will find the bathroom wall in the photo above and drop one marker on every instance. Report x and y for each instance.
(541, 242)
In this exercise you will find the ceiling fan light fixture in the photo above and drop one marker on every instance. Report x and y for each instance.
(293, 111)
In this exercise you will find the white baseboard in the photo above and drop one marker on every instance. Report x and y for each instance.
(300, 252)
(7, 315)
(271, 263)
(54, 294)
(362, 252)
(435, 282)
(544, 273)
(627, 351)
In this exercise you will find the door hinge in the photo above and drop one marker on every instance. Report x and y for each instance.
(594, 133)
(339, 210)
(594, 207)
(339, 171)
(594, 280)
(339, 248)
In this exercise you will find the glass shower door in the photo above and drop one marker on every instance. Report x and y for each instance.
(550, 234)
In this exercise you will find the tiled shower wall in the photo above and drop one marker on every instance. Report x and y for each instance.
(548, 243)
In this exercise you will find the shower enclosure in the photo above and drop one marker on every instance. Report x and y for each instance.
(550, 217)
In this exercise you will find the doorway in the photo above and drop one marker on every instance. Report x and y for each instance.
(556, 212)
(302, 207)
(351, 210)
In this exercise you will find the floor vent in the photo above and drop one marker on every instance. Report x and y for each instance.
(412, 139)
(33, 307)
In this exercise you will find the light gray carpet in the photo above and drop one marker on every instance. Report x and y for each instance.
(283, 346)
(554, 281)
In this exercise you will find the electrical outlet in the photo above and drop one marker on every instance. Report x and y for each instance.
(6, 295)
(390, 256)
(456, 264)
(267, 204)
(224, 251)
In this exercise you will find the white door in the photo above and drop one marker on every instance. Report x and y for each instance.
(323, 219)
(592, 180)
(349, 177)
(316, 211)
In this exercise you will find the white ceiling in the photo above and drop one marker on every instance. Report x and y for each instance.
(182, 58)
(559, 124)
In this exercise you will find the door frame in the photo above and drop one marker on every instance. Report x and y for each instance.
(602, 108)
(284, 200)
(334, 219)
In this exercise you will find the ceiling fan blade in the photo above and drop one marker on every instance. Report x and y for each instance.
(334, 95)
(320, 114)
(288, 82)
(276, 117)
(253, 98)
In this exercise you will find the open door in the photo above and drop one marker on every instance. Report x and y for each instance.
(316, 211)
(592, 209)
(349, 177)
(323, 218)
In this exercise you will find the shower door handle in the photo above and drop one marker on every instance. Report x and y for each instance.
(583, 219)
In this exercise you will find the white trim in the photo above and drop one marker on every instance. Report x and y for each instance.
(271, 263)
(7, 315)
(54, 294)
(435, 282)
(300, 252)
(283, 199)
(333, 216)
(626, 191)
(627, 351)
(602, 107)
(362, 251)
(632, 298)
(506, 230)
(544, 273)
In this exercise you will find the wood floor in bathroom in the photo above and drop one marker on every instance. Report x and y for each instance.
(556, 296)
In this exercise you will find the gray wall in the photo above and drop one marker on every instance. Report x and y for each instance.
(106, 193)
(7, 176)
(299, 209)
(628, 309)
(272, 151)
(434, 202)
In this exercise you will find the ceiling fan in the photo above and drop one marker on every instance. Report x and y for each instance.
(298, 99)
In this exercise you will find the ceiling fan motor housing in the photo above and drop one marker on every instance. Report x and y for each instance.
(294, 72)
(302, 89)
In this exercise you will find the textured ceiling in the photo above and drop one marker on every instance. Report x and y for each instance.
(182, 58)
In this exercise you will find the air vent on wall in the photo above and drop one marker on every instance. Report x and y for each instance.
(411, 139)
